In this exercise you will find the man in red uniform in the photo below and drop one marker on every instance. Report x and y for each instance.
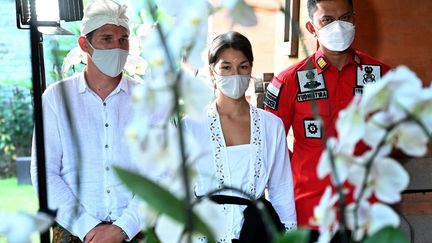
(323, 84)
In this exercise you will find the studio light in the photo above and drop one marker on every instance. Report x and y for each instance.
(49, 14)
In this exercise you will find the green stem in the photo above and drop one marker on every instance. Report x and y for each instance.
(369, 167)
(341, 199)
(176, 91)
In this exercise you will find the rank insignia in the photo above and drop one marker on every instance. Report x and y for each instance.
(322, 63)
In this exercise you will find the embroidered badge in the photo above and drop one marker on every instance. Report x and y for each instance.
(312, 128)
(271, 96)
(366, 74)
(311, 85)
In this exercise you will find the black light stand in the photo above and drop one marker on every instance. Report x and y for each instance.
(70, 10)
(38, 81)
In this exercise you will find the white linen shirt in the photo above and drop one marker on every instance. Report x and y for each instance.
(82, 130)
(274, 173)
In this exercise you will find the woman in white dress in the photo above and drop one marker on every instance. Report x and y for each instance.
(246, 146)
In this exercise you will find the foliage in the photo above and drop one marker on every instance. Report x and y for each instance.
(14, 197)
(16, 126)
(161, 200)
(388, 234)
(56, 49)
(297, 236)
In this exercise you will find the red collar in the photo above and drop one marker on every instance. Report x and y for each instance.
(321, 62)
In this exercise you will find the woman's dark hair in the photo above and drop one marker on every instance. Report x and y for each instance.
(231, 39)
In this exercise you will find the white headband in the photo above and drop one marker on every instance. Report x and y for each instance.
(101, 12)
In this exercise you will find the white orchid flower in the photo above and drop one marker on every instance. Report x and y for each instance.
(74, 57)
(407, 135)
(376, 128)
(369, 218)
(410, 92)
(357, 220)
(158, 60)
(381, 216)
(196, 94)
(135, 65)
(410, 138)
(187, 34)
(380, 95)
(169, 230)
(173, 7)
(240, 12)
(157, 150)
(386, 179)
(207, 209)
(421, 107)
(342, 158)
(143, 30)
(424, 109)
(325, 215)
(350, 125)
(18, 226)
(135, 46)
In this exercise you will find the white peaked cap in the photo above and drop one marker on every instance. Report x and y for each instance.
(101, 12)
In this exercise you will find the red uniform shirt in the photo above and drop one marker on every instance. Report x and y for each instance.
(291, 96)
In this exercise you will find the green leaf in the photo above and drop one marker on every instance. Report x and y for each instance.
(150, 236)
(388, 235)
(294, 236)
(161, 200)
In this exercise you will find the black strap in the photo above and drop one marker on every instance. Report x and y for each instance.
(254, 229)
(224, 199)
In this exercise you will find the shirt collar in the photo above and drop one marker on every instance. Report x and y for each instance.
(321, 63)
(122, 86)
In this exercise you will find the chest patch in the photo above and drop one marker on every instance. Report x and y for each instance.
(311, 85)
(366, 74)
(271, 96)
(312, 128)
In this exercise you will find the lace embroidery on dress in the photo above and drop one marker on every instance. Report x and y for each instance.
(219, 147)
(216, 136)
(257, 142)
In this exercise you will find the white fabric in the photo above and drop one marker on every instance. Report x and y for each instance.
(239, 156)
(101, 12)
(238, 167)
(99, 127)
(269, 166)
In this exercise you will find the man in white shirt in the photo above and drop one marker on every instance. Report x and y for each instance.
(84, 119)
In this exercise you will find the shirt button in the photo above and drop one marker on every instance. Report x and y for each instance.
(104, 104)
(106, 125)
(106, 145)
(109, 212)
(107, 168)
(108, 191)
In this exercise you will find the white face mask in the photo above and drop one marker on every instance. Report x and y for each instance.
(110, 61)
(233, 86)
(337, 36)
